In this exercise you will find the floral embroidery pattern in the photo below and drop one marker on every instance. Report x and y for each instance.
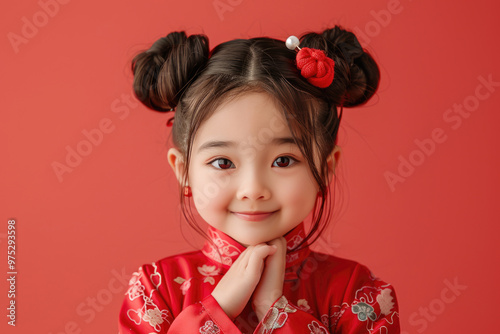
(303, 305)
(371, 303)
(155, 277)
(149, 312)
(315, 328)
(291, 257)
(276, 316)
(227, 251)
(185, 284)
(208, 272)
(294, 242)
(205, 270)
(325, 320)
(209, 328)
(364, 311)
(155, 317)
(136, 289)
(385, 300)
(370, 298)
(336, 312)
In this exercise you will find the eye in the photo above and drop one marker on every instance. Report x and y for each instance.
(226, 163)
(284, 161)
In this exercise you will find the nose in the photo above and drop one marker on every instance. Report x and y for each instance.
(253, 185)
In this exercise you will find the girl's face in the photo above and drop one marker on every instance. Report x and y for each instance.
(244, 161)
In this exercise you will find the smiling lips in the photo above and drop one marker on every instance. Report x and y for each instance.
(253, 216)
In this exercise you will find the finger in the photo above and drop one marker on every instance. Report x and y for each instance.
(256, 260)
(279, 242)
(243, 258)
(281, 249)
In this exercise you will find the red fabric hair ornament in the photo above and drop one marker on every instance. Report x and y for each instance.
(314, 64)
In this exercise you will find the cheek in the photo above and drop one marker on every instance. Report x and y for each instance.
(298, 190)
(210, 192)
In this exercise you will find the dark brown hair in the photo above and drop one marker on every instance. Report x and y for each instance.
(180, 72)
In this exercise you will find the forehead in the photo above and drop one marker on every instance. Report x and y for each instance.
(246, 117)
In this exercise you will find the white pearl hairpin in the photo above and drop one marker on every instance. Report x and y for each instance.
(292, 43)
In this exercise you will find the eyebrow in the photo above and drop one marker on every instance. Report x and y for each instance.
(228, 144)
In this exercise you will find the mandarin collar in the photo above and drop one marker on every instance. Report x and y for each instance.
(230, 249)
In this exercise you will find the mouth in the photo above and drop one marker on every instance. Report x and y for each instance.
(253, 216)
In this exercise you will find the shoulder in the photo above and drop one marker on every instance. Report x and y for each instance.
(188, 257)
(354, 278)
(159, 275)
(334, 266)
(175, 263)
(179, 266)
(340, 266)
(363, 297)
(371, 299)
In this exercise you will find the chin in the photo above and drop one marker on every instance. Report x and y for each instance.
(253, 241)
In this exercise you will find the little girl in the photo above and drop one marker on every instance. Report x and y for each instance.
(255, 134)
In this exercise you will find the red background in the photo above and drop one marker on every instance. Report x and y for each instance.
(117, 208)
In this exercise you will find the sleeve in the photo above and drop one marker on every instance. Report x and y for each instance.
(286, 318)
(145, 310)
(369, 306)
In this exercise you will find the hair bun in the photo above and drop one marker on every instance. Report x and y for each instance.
(363, 74)
(357, 75)
(162, 73)
(345, 42)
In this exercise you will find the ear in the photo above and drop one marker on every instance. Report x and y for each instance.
(176, 161)
(332, 161)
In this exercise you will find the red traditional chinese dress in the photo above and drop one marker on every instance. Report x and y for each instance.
(321, 294)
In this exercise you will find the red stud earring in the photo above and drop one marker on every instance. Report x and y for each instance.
(187, 191)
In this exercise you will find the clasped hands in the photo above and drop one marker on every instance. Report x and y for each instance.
(256, 275)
